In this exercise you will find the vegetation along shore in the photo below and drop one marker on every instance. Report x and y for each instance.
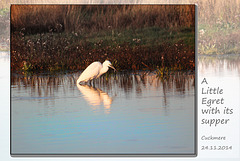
(132, 37)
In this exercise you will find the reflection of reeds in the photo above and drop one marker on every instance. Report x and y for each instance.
(43, 86)
(208, 63)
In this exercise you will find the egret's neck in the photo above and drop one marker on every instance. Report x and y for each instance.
(103, 70)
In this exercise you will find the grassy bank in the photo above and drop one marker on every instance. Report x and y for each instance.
(219, 39)
(132, 37)
(4, 29)
(147, 48)
(219, 27)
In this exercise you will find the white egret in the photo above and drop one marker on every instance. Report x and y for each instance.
(94, 71)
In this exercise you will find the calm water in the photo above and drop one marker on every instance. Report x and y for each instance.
(124, 113)
(128, 113)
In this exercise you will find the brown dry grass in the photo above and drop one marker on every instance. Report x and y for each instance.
(89, 18)
(213, 11)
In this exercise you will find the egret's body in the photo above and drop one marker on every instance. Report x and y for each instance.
(94, 71)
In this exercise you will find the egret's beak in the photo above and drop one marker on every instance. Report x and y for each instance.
(112, 68)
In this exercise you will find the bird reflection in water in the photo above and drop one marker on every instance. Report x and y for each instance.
(95, 97)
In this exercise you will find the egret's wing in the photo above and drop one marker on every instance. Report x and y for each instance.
(91, 71)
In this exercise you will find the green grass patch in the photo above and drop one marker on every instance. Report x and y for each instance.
(148, 37)
(220, 38)
(4, 11)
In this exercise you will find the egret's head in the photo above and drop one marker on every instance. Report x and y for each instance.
(108, 64)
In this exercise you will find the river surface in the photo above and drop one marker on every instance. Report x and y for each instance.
(123, 113)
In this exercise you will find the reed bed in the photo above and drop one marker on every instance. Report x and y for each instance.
(92, 18)
(219, 24)
(132, 37)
